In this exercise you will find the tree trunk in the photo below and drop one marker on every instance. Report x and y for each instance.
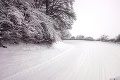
(47, 6)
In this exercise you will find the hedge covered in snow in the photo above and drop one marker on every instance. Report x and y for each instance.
(22, 23)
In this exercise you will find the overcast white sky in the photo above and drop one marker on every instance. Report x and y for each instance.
(97, 17)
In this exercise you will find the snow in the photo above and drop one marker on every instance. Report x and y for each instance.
(68, 60)
(16, 58)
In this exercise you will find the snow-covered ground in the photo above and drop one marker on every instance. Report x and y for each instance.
(71, 60)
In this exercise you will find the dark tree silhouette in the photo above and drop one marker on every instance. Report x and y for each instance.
(118, 38)
(80, 37)
(72, 38)
(103, 38)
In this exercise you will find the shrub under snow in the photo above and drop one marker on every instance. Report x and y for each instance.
(29, 25)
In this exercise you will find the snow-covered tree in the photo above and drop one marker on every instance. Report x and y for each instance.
(60, 10)
(20, 21)
(66, 34)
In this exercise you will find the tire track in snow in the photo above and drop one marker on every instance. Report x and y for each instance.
(62, 71)
(38, 66)
(95, 62)
(101, 65)
(74, 68)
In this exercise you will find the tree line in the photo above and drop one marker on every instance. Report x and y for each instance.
(39, 21)
(103, 38)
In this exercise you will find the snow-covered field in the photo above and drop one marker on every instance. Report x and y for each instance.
(70, 60)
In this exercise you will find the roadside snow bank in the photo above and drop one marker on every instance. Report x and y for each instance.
(60, 45)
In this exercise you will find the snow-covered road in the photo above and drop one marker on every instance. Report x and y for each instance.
(81, 60)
